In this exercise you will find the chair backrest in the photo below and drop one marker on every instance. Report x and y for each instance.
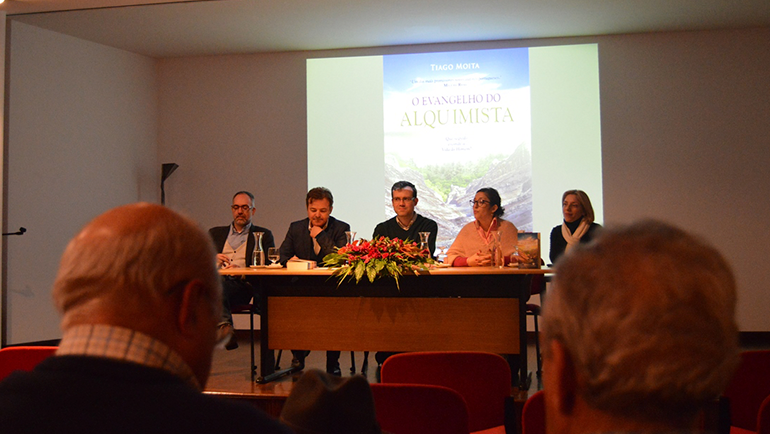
(533, 414)
(22, 358)
(749, 386)
(482, 379)
(537, 284)
(763, 419)
(419, 409)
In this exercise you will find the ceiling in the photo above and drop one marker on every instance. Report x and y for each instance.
(165, 28)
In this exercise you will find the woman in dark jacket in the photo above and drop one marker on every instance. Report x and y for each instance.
(578, 225)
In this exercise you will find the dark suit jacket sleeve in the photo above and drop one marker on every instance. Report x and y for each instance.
(333, 236)
(287, 246)
(267, 239)
(219, 237)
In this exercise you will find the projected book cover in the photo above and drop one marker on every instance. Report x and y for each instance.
(456, 122)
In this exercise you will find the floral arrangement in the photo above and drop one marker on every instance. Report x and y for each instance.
(377, 258)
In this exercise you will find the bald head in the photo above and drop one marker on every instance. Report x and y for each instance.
(124, 263)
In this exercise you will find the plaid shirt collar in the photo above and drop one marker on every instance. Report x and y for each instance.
(126, 345)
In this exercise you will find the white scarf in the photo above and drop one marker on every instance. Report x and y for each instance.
(573, 239)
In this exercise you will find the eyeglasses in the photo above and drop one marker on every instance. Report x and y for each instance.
(402, 199)
(244, 208)
(480, 203)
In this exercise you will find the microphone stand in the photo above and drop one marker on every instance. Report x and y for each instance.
(19, 232)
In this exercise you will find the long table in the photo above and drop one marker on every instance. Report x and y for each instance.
(443, 309)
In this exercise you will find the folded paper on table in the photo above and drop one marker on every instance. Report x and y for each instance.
(300, 265)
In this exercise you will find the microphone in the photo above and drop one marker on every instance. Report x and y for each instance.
(19, 232)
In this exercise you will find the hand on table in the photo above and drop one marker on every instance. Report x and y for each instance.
(479, 259)
(224, 261)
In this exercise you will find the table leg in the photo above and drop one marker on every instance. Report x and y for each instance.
(524, 379)
(267, 372)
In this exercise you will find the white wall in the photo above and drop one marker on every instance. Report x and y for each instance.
(686, 138)
(82, 139)
(685, 128)
(235, 123)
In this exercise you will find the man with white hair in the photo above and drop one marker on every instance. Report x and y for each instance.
(140, 298)
(639, 332)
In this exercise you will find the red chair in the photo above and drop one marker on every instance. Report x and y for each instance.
(22, 358)
(763, 419)
(482, 379)
(748, 389)
(533, 414)
(419, 409)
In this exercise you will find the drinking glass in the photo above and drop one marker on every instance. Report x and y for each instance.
(351, 235)
(273, 254)
(442, 253)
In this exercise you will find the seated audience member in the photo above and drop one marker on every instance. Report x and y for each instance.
(312, 238)
(472, 245)
(639, 332)
(320, 403)
(407, 224)
(140, 298)
(235, 244)
(578, 226)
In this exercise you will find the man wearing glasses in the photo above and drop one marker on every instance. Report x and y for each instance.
(406, 225)
(235, 244)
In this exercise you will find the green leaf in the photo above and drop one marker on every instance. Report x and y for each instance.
(359, 271)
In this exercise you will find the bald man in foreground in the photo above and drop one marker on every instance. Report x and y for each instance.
(140, 299)
(639, 332)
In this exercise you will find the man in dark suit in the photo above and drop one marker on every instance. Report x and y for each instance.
(235, 244)
(140, 298)
(313, 238)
